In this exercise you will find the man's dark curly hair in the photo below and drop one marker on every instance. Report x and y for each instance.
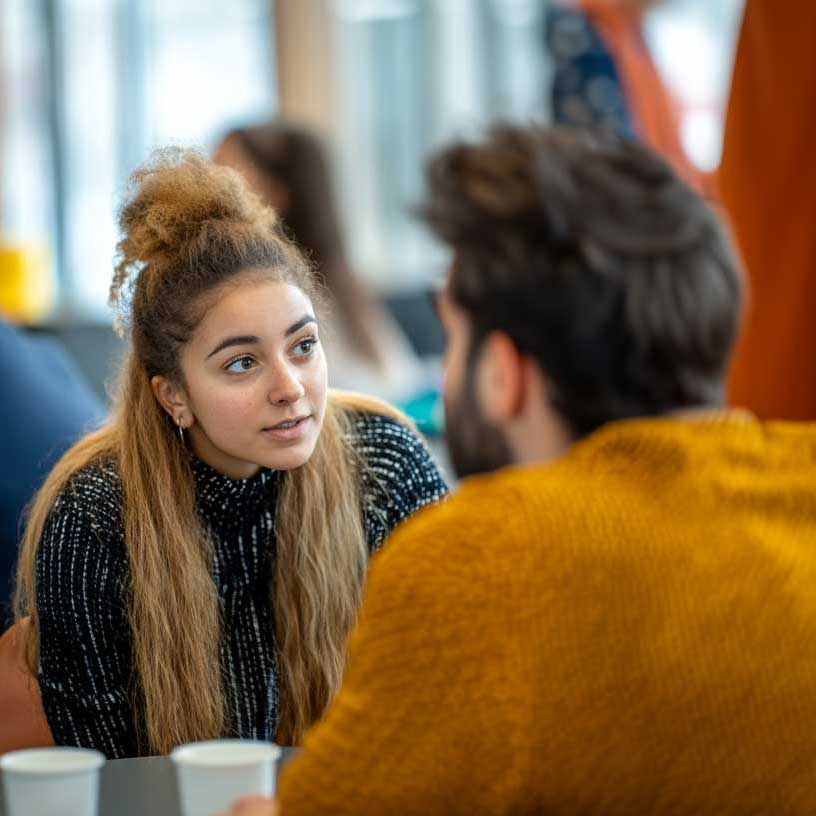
(593, 256)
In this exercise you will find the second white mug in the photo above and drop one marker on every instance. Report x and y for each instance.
(212, 775)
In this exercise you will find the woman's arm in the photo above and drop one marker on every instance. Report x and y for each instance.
(85, 671)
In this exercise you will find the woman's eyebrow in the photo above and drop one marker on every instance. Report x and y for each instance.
(252, 339)
(238, 340)
(305, 320)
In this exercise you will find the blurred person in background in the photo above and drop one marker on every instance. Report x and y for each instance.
(192, 570)
(289, 168)
(47, 406)
(768, 186)
(605, 76)
(613, 613)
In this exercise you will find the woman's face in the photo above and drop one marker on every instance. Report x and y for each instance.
(256, 380)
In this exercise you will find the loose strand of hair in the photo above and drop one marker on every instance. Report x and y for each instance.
(321, 563)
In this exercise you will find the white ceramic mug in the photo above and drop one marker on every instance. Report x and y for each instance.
(212, 775)
(48, 781)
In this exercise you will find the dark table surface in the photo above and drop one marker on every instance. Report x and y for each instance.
(138, 787)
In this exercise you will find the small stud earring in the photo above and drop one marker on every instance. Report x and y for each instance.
(180, 423)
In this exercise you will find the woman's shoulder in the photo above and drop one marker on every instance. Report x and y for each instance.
(399, 474)
(81, 560)
(383, 435)
(82, 546)
(94, 491)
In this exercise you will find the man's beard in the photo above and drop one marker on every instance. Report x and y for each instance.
(474, 444)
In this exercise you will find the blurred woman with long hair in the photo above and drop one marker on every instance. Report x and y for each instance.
(192, 570)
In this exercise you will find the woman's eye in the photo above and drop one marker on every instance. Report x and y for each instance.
(240, 364)
(305, 347)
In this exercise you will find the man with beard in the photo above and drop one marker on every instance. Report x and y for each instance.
(617, 618)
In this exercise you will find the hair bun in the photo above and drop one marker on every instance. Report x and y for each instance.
(173, 204)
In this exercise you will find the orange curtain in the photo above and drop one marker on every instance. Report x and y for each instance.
(654, 110)
(768, 187)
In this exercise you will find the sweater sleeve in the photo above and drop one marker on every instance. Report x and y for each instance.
(400, 479)
(85, 658)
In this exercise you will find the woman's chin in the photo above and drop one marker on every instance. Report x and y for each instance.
(291, 457)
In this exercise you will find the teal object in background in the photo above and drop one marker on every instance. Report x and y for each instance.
(427, 411)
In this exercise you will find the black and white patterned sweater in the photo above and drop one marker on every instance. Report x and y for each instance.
(86, 657)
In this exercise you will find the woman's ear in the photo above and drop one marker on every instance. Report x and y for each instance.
(173, 399)
(501, 378)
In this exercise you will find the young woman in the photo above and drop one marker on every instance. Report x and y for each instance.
(288, 167)
(193, 569)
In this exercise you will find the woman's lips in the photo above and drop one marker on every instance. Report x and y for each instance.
(288, 431)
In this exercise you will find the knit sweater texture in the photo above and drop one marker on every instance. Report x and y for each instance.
(86, 655)
(629, 630)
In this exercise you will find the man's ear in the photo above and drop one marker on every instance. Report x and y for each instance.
(501, 380)
(173, 399)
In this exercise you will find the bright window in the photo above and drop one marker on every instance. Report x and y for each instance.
(92, 86)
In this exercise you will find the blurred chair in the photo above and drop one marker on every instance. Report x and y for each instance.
(95, 348)
(22, 718)
(416, 316)
(47, 406)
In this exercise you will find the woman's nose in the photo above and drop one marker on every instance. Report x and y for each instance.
(286, 386)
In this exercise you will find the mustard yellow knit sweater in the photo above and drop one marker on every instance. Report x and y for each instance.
(630, 630)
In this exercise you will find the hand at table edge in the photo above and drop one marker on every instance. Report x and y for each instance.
(253, 806)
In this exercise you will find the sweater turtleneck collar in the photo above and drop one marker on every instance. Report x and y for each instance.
(221, 498)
